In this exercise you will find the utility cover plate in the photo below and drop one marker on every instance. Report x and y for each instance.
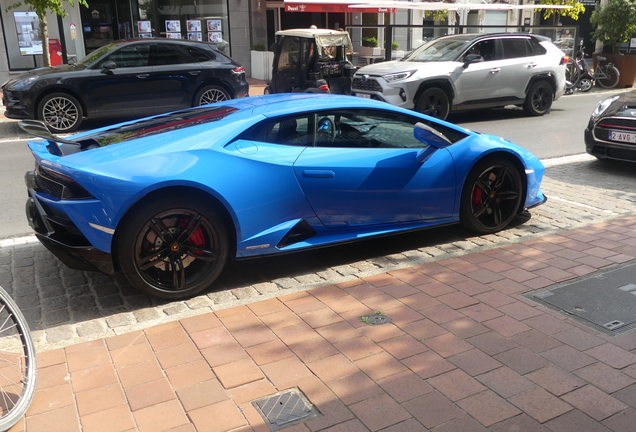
(605, 300)
(285, 409)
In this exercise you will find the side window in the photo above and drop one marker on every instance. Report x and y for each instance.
(130, 56)
(516, 47)
(168, 54)
(288, 58)
(486, 49)
(290, 130)
(197, 55)
(537, 47)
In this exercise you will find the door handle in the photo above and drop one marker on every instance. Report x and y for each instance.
(143, 76)
(319, 173)
(495, 70)
(531, 65)
(195, 73)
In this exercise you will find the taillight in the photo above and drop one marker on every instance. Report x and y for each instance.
(324, 87)
(564, 60)
(239, 70)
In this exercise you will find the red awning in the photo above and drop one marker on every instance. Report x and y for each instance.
(332, 7)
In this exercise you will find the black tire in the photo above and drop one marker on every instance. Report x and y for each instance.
(18, 364)
(211, 94)
(61, 112)
(433, 102)
(613, 75)
(585, 85)
(491, 196)
(268, 90)
(172, 247)
(539, 99)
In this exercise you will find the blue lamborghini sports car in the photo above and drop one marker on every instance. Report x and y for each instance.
(168, 200)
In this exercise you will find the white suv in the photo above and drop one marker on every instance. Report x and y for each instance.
(469, 71)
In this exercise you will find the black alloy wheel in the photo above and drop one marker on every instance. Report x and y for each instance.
(61, 112)
(173, 248)
(491, 197)
(539, 99)
(433, 102)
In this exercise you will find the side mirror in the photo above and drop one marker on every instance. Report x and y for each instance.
(434, 140)
(108, 66)
(472, 58)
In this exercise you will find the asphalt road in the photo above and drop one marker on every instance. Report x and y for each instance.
(559, 133)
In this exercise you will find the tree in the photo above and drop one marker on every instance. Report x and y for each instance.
(615, 23)
(577, 8)
(41, 7)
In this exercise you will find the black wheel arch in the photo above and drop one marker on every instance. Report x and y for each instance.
(548, 77)
(441, 83)
(51, 90)
(516, 161)
(182, 191)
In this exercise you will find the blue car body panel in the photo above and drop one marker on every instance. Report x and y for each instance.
(344, 194)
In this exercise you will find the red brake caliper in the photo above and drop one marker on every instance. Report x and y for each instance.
(196, 239)
(477, 194)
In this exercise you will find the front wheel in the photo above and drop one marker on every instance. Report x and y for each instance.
(433, 102)
(491, 196)
(172, 247)
(61, 112)
(539, 99)
(611, 79)
(585, 85)
(211, 94)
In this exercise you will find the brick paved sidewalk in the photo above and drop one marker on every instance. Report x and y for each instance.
(464, 352)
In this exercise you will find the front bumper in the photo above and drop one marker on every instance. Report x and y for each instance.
(17, 105)
(378, 89)
(62, 238)
(598, 144)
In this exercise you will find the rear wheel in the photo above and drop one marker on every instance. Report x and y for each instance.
(433, 102)
(612, 78)
(491, 197)
(585, 85)
(211, 94)
(61, 112)
(268, 90)
(173, 247)
(539, 99)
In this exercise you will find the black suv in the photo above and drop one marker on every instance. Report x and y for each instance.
(125, 79)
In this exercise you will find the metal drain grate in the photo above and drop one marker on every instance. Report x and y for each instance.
(374, 319)
(285, 409)
(605, 300)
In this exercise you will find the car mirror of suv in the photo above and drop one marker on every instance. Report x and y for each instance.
(108, 66)
(472, 58)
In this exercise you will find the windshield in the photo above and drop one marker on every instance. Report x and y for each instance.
(439, 50)
(91, 57)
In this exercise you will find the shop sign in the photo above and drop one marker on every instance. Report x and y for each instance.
(333, 8)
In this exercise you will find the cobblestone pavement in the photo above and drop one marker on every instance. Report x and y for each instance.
(65, 306)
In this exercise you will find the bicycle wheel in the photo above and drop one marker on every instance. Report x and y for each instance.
(611, 77)
(18, 368)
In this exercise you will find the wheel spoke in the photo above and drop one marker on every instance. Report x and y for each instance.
(481, 208)
(151, 260)
(161, 230)
(199, 253)
(192, 225)
(178, 274)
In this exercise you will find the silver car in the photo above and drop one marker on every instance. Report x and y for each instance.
(470, 71)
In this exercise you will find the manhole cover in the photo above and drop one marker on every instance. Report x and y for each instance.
(377, 318)
(605, 301)
(285, 409)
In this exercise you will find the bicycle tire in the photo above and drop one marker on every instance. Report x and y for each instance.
(612, 76)
(18, 364)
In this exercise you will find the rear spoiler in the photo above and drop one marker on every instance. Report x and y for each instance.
(57, 146)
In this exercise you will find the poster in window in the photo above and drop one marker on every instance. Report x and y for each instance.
(195, 36)
(27, 26)
(214, 25)
(194, 25)
(144, 26)
(171, 35)
(215, 37)
(145, 35)
(173, 26)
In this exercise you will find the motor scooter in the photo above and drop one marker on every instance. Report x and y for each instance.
(578, 76)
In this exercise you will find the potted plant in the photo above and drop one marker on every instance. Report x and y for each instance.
(615, 24)
(261, 62)
(370, 47)
(396, 53)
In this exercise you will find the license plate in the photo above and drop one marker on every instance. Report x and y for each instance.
(622, 136)
(363, 95)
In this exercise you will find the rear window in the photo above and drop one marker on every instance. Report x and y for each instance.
(160, 124)
(537, 47)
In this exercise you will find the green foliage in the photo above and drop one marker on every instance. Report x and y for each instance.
(438, 15)
(577, 8)
(369, 41)
(259, 46)
(41, 7)
(395, 45)
(615, 22)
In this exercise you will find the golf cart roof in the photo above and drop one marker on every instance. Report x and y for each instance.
(310, 33)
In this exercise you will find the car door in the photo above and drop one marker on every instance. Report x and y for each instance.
(363, 170)
(176, 75)
(287, 75)
(479, 82)
(124, 90)
(518, 66)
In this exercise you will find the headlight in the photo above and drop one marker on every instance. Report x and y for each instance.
(602, 106)
(19, 85)
(398, 76)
